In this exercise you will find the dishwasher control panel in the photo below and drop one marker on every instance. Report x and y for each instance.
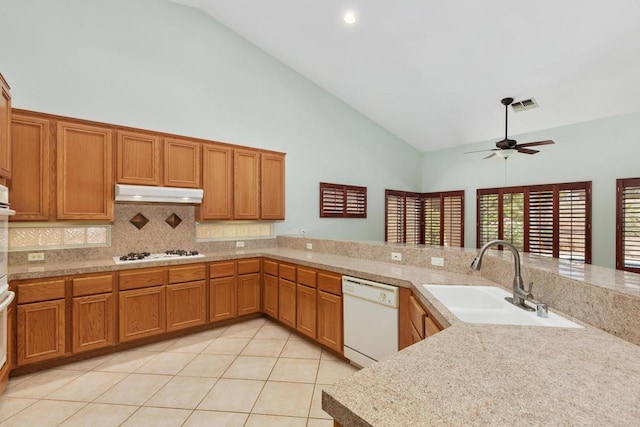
(380, 293)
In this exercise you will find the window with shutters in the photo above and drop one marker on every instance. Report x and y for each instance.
(342, 201)
(425, 218)
(628, 224)
(551, 220)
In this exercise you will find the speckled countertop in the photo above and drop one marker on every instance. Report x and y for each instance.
(464, 375)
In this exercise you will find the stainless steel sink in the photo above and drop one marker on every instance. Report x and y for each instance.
(486, 304)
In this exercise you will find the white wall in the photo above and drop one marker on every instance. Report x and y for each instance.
(599, 151)
(162, 66)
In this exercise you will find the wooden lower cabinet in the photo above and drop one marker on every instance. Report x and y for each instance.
(93, 322)
(306, 311)
(40, 331)
(330, 329)
(249, 294)
(287, 302)
(222, 299)
(142, 313)
(415, 321)
(270, 296)
(8, 365)
(186, 305)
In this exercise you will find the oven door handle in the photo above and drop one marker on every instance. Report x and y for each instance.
(4, 304)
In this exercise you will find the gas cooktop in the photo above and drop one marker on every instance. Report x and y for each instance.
(147, 256)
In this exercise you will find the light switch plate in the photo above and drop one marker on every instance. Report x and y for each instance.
(396, 256)
(437, 261)
(239, 244)
(309, 246)
(36, 256)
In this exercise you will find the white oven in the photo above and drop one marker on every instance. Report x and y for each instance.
(6, 296)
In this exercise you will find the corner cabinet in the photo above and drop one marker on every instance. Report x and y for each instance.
(272, 186)
(84, 172)
(5, 129)
(31, 151)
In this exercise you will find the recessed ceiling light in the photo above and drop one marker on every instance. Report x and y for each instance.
(350, 18)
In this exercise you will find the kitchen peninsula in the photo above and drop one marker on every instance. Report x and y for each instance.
(471, 374)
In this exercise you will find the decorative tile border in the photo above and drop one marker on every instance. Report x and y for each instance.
(215, 231)
(33, 236)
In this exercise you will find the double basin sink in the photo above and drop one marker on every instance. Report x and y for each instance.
(487, 304)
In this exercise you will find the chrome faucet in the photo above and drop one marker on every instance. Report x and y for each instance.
(520, 294)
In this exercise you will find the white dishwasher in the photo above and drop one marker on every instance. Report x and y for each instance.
(370, 320)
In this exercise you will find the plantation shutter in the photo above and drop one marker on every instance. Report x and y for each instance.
(513, 225)
(572, 223)
(488, 219)
(394, 217)
(413, 209)
(541, 222)
(453, 219)
(628, 225)
(342, 201)
(432, 221)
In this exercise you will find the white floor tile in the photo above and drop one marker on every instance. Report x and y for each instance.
(270, 332)
(316, 404)
(207, 365)
(331, 371)
(258, 420)
(190, 344)
(10, 406)
(232, 395)
(225, 345)
(279, 398)
(44, 413)
(217, 419)
(251, 368)
(266, 348)
(166, 363)
(134, 389)
(125, 361)
(100, 415)
(295, 370)
(157, 417)
(182, 392)
(42, 384)
(88, 387)
(301, 350)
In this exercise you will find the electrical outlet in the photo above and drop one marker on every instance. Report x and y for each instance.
(396, 256)
(437, 261)
(309, 246)
(239, 244)
(36, 256)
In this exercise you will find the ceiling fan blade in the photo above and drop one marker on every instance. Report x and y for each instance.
(527, 150)
(480, 151)
(489, 156)
(534, 144)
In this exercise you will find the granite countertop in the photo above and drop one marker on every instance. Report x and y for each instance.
(464, 375)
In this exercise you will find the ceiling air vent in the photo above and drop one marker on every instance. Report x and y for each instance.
(525, 104)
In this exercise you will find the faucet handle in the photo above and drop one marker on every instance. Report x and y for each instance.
(529, 288)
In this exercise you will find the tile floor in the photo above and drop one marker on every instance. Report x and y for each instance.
(254, 373)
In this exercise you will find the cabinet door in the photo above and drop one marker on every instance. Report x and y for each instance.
(29, 192)
(246, 195)
(306, 314)
(223, 299)
(272, 186)
(8, 365)
(217, 183)
(270, 296)
(142, 313)
(93, 322)
(186, 305)
(248, 293)
(287, 302)
(5, 129)
(181, 163)
(84, 173)
(138, 158)
(330, 321)
(41, 331)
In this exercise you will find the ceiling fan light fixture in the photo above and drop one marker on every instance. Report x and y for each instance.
(505, 153)
(350, 18)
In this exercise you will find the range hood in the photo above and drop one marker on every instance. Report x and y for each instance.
(148, 194)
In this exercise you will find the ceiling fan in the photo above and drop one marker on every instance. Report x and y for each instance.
(507, 147)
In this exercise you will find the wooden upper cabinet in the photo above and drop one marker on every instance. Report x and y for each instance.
(84, 172)
(29, 189)
(5, 129)
(138, 158)
(181, 163)
(246, 197)
(272, 186)
(217, 182)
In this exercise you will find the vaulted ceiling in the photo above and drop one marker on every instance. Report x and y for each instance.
(433, 72)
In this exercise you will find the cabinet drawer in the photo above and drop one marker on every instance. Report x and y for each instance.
(330, 282)
(270, 267)
(416, 315)
(307, 277)
(287, 272)
(92, 285)
(430, 327)
(40, 291)
(247, 266)
(186, 274)
(222, 269)
(142, 278)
